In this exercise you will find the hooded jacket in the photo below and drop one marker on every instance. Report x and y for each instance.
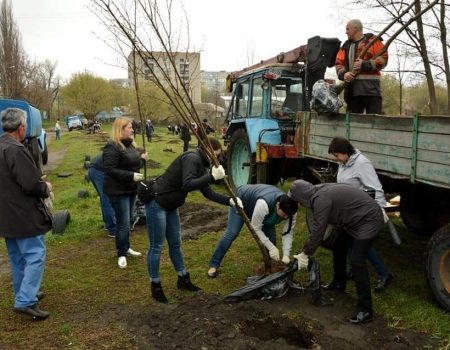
(337, 204)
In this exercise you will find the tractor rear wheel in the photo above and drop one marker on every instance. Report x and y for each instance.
(240, 160)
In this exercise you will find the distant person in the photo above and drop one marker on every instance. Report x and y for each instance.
(188, 172)
(149, 129)
(96, 173)
(122, 163)
(24, 217)
(267, 206)
(363, 90)
(185, 136)
(58, 130)
(208, 129)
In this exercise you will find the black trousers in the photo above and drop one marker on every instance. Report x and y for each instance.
(185, 145)
(358, 260)
(359, 104)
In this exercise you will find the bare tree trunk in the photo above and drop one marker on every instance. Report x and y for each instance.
(443, 30)
(426, 62)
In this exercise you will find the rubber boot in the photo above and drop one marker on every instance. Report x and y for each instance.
(158, 293)
(184, 282)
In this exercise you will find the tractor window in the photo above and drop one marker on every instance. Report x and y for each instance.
(257, 98)
(287, 98)
(242, 99)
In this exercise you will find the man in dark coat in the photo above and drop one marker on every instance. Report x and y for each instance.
(24, 217)
(185, 136)
(360, 217)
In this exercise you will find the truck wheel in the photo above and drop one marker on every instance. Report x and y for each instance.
(331, 233)
(438, 266)
(60, 221)
(416, 213)
(240, 160)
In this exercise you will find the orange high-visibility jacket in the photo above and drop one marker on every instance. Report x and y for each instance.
(371, 66)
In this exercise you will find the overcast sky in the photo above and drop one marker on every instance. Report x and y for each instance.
(66, 31)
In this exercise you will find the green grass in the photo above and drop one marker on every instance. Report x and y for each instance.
(84, 288)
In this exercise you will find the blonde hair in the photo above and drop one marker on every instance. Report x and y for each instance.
(117, 130)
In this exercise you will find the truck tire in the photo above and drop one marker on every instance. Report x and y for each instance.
(437, 259)
(331, 233)
(60, 221)
(240, 161)
(417, 214)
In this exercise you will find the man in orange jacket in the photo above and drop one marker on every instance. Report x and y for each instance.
(361, 74)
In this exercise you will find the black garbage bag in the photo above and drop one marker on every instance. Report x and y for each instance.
(277, 285)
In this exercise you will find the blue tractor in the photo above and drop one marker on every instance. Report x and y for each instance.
(262, 114)
(35, 136)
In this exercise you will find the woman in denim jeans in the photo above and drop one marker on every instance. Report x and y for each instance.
(122, 163)
(187, 173)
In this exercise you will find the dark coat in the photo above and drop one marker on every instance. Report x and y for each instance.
(22, 211)
(187, 173)
(185, 133)
(120, 166)
(338, 204)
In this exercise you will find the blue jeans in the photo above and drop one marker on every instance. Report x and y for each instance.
(123, 209)
(97, 177)
(377, 263)
(58, 134)
(163, 224)
(27, 258)
(234, 226)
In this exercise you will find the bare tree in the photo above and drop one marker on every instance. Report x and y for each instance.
(146, 29)
(11, 54)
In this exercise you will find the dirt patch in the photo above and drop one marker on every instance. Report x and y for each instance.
(174, 141)
(206, 322)
(151, 164)
(197, 219)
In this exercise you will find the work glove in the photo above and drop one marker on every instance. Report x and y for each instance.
(385, 216)
(138, 177)
(239, 202)
(218, 172)
(286, 259)
(274, 253)
(303, 260)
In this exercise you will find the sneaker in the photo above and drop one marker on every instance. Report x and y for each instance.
(131, 252)
(112, 235)
(122, 262)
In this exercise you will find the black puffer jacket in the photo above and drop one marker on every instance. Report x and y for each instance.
(187, 173)
(120, 165)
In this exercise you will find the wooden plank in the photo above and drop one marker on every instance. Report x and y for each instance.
(434, 142)
(435, 125)
(432, 172)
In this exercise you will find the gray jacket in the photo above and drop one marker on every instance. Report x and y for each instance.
(359, 172)
(337, 204)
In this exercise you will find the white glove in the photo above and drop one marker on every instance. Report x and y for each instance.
(239, 202)
(286, 259)
(303, 260)
(138, 177)
(144, 156)
(385, 216)
(218, 172)
(274, 253)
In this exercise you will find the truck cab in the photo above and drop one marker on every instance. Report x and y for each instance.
(35, 138)
(262, 114)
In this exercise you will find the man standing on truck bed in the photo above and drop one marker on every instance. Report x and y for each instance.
(361, 74)
(24, 218)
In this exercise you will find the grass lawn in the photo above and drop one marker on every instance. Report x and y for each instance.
(84, 286)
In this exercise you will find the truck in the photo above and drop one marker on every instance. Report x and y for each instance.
(273, 135)
(75, 122)
(36, 137)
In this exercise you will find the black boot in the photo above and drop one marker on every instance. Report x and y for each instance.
(184, 282)
(158, 293)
